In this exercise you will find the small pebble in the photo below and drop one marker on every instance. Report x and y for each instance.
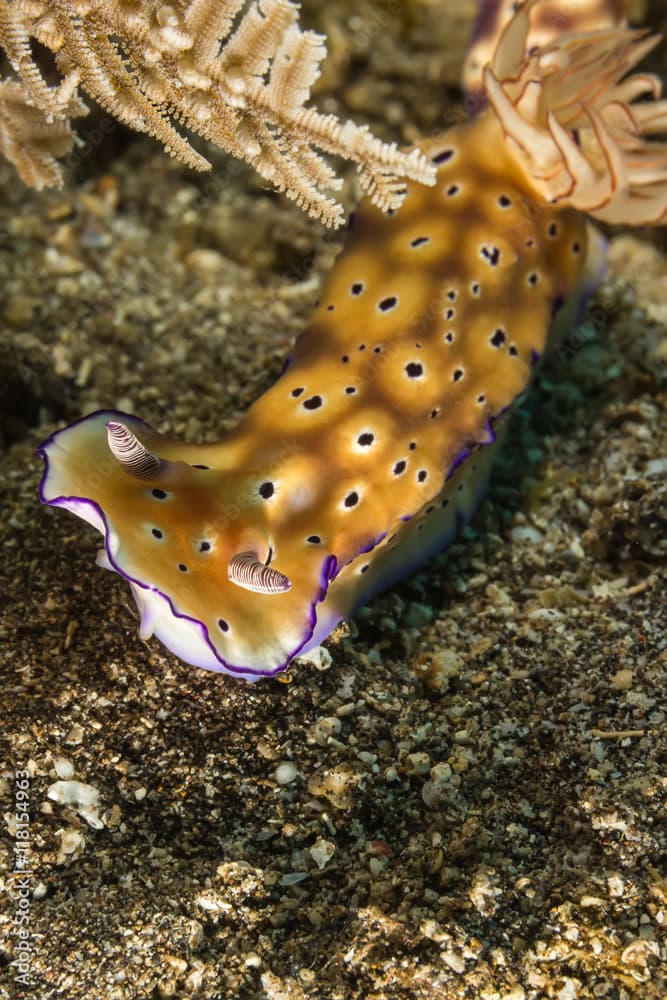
(63, 767)
(622, 680)
(322, 852)
(285, 773)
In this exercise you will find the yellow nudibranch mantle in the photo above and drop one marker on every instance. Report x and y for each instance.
(375, 444)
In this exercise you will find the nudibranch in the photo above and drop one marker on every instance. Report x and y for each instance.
(375, 444)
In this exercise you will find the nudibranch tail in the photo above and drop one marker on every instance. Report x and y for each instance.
(550, 20)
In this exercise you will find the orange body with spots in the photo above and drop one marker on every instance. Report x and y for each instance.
(376, 442)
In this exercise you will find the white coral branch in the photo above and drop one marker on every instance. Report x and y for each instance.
(237, 73)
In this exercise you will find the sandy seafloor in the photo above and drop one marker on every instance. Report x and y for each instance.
(470, 800)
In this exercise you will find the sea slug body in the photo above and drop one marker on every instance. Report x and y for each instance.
(375, 444)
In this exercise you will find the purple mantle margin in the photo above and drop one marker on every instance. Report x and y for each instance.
(326, 574)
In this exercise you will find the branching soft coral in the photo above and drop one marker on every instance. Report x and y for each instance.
(236, 73)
